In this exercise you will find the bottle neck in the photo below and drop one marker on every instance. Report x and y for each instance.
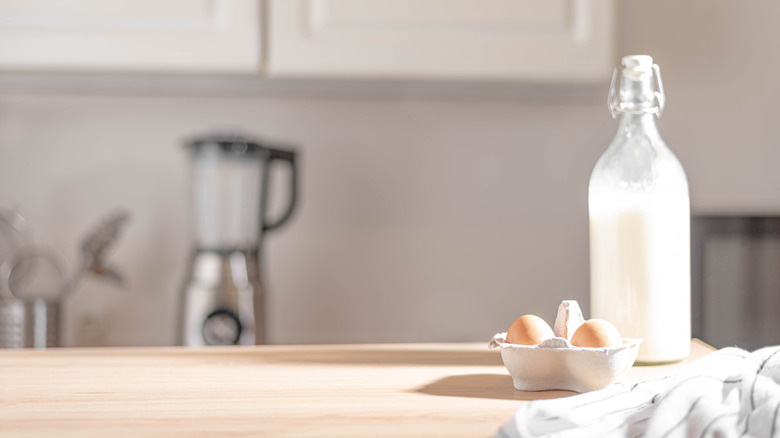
(635, 125)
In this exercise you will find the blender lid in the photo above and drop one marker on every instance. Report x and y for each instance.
(226, 143)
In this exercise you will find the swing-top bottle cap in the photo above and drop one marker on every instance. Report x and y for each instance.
(638, 63)
(636, 87)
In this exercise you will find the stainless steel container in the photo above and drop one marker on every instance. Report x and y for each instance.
(33, 281)
(29, 323)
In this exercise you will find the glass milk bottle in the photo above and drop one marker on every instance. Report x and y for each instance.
(640, 222)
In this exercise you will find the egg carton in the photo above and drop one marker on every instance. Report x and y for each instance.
(557, 364)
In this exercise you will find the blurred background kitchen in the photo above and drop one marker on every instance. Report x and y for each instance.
(444, 147)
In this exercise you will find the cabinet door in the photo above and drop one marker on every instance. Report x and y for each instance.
(130, 35)
(529, 40)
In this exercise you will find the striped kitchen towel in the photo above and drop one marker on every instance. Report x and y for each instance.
(727, 393)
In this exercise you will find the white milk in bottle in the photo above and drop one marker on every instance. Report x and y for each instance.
(640, 223)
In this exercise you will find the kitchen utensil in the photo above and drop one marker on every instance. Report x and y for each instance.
(223, 295)
(97, 243)
(13, 232)
(33, 281)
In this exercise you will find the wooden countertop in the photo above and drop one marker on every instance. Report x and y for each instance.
(325, 390)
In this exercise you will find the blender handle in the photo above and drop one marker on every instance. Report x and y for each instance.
(289, 156)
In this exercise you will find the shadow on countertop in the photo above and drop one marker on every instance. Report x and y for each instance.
(496, 386)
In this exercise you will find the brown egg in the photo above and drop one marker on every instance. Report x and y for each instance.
(528, 330)
(596, 333)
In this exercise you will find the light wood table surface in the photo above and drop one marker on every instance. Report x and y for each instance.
(326, 390)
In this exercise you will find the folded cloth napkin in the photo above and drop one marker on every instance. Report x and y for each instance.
(727, 393)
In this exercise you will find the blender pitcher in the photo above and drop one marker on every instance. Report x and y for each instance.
(223, 295)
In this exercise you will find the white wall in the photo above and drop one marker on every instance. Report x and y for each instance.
(429, 213)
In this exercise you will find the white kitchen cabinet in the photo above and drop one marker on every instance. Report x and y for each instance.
(131, 35)
(534, 40)
(515, 40)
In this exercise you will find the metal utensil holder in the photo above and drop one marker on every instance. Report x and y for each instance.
(29, 324)
(30, 321)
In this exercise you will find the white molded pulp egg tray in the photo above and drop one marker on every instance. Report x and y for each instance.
(557, 364)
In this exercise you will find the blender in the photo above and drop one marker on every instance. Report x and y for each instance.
(223, 294)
